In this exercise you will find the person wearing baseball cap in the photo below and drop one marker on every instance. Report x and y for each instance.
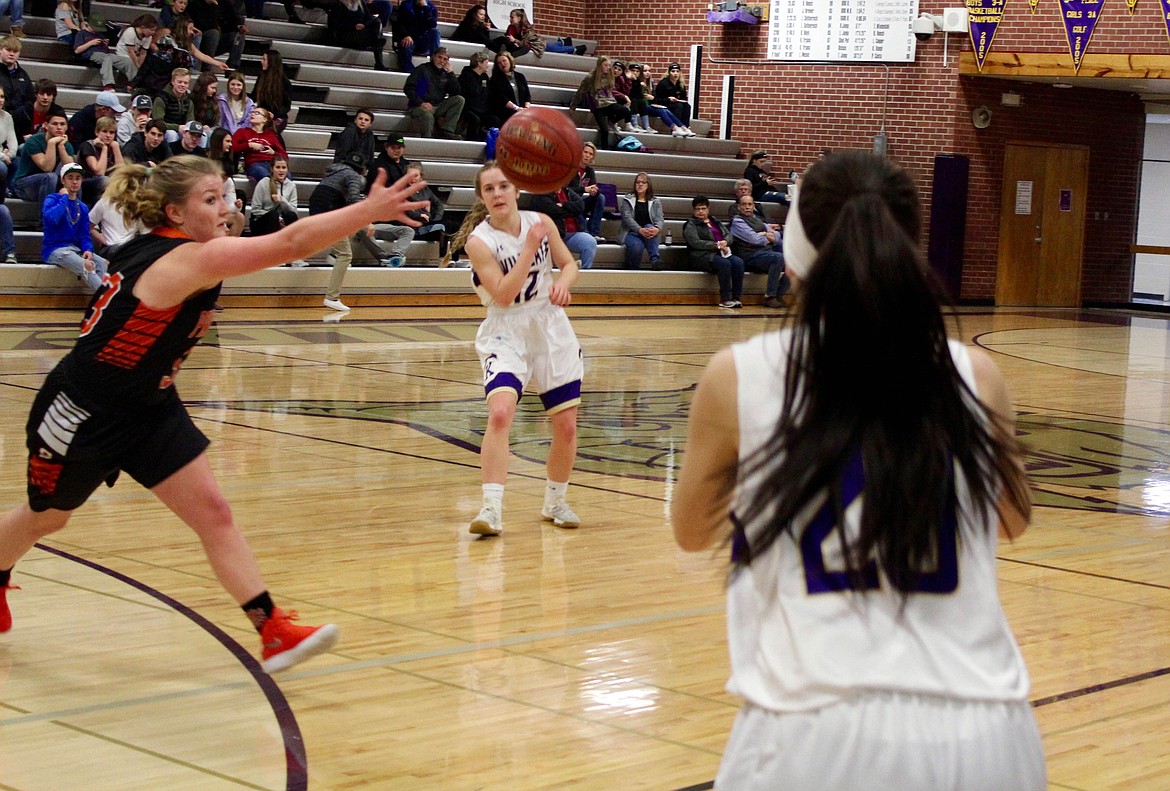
(392, 159)
(66, 242)
(134, 120)
(190, 140)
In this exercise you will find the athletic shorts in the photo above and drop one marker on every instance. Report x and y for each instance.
(531, 347)
(881, 740)
(74, 444)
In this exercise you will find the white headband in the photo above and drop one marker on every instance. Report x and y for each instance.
(799, 254)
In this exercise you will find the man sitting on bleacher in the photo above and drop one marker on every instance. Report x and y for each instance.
(40, 157)
(17, 85)
(432, 91)
(416, 31)
(30, 118)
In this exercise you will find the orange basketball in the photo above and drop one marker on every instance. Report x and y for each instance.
(539, 149)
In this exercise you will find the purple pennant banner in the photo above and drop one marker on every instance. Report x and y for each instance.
(983, 18)
(1080, 19)
(1166, 15)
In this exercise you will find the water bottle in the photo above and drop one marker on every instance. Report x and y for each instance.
(669, 238)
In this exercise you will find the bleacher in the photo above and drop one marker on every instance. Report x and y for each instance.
(329, 83)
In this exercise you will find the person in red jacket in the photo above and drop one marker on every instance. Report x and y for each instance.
(259, 144)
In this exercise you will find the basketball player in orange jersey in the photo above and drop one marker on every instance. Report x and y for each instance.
(866, 465)
(110, 404)
(525, 341)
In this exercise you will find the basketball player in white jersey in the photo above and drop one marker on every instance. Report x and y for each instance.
(868, 464)
(525, 342)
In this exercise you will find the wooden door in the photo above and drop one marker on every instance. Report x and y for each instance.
(1042, 225)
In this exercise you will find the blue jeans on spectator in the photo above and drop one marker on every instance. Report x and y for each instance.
(635, 244)
(557, 46)
(772, 196)
(258, 170)
(584, 245)
(594, 212)
(35, 187)
(668, 118)
(7, 240)
(729, 270)
(382, 9)
(69, 257)
(425, 44)
(771, 262)
(15, 8)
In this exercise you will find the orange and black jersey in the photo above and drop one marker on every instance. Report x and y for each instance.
(128, 353)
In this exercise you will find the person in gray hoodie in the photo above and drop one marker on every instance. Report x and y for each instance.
(342, 185)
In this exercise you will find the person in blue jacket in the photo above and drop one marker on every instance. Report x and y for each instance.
(67, 242)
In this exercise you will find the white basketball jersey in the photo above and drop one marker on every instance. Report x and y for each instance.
(506, 248)
(801, 639)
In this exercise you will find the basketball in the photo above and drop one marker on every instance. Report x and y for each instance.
(539, 149)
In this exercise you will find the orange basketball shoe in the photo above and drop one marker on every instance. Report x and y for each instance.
(5, 613)
(286, 644)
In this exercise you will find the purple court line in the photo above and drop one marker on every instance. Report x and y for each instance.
(296, 765)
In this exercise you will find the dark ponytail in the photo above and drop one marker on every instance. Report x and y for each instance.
(871, 390)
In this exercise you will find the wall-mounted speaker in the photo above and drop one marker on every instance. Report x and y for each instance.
(954, 20)
(981, 117)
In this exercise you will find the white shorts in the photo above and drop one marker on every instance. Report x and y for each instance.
(886, 740)
(531, 346)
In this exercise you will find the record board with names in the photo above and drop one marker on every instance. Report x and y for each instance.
(842, 30)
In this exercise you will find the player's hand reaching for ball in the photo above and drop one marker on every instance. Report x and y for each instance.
(391, 203)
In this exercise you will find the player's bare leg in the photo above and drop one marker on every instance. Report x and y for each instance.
(561, 455)
(493, 460)
(20, 529)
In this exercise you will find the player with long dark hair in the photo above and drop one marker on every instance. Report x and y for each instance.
(110, 405)
(866, 462)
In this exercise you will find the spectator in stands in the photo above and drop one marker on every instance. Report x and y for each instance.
(564, 207)
(40, 158)
(155, 74)
(593, 209)
(744, 187)
(521, 36)
(174, 106)
(354, 27)
(642, 223)
(97, 157)
(416, 31)
(765, 186)
(204, 97)
(134, 44)
(15, 11)
(7, 237)
(66, 242)
(66, 21)
(596, 94)
(84, 122)
(358, 136)
(476, 28)
(235, 106)
(17, 85)
(274, 201)
(432, 93)
(473, 86)
(30, 118)
(190, 140)
(222, 26)
(340, 186)
(184, 33)
(708, 250)
(255, 9)
(431, 227)
(141, 107)
(622, 85)
(148, 147)
(92, 47)
(671, 93)
(108, 229)
(8, 147)
(259, 145)
(174, 8)
(273, 89)
(393, 161)
(219, 148)
(641, 89)
(507, 89)
(753, 241)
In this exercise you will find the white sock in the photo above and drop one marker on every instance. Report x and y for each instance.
(554, 492)
(493, 493)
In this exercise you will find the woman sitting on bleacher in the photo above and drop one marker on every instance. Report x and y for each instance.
(671, 93)
(507, 89)
(596, 94)
(8, 146)
(476, 28)
(203, 95)
(642, 223)
(259, 145)
(273, 90)
(183, 32)
(274, 201)
(354, 27)
(521, 37)
(640, 89)
(235, 106)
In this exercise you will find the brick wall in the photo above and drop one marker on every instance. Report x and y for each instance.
(793, 111)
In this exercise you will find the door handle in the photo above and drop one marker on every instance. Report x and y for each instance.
(1038, 238)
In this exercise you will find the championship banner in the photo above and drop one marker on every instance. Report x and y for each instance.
(983, 18)
(1080, 19)
(1166, 15)
(498, 11)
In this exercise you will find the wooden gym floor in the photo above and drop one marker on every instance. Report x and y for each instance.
(590, 659)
